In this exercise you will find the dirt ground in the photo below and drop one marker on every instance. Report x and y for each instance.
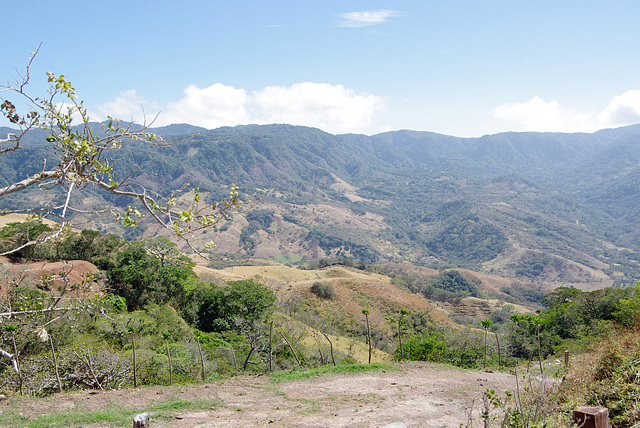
(420, 395)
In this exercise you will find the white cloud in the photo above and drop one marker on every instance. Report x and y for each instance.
(538, 115)
(332, 108)
(128, 106)
(622, 110)
(366, 18)
(210, 107)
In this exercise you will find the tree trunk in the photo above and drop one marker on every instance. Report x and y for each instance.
(246, 361)
(333, 360)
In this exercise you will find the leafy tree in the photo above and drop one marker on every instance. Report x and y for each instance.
(211, 312)
(628, 310)
(453, 281)
(561, 296)
(98, 248)
(16, 236)
(260, 219)
(233, 307)
(152, 271)
(250, 301)
(251, 304)
(243, 307)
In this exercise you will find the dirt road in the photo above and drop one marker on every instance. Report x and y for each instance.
(420, 395)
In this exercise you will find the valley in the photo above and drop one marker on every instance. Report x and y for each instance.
(528, 206)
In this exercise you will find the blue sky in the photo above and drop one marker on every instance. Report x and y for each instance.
(464, 68)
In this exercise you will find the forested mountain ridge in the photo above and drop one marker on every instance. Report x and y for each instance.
(550, 207)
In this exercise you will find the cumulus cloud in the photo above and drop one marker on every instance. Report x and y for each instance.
(622, 110)
(128, 105)
(328, 107)
(366, 18)
(332, 108)
(539, 115)
(210, 107)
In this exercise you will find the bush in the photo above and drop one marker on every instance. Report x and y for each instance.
(454, 282)
(323, 290)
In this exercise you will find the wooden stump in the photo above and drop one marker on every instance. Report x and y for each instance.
(591, 417)
(141, 421)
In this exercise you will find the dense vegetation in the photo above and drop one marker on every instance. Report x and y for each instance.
(178, 328)
(155, 303)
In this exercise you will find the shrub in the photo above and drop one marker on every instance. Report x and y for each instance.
(323, 290)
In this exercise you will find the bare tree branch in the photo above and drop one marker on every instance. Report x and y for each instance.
(12, 357)
(27, 182)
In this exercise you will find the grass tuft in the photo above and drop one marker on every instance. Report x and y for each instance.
(290, 375)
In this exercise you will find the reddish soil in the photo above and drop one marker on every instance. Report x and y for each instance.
(80, 272)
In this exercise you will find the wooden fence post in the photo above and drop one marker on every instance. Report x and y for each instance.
(141, 421)
(566, 360)
(591, 417)
(291, 348)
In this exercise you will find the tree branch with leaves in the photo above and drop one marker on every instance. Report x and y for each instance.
(86, 156)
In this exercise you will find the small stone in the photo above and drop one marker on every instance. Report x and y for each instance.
(396, 425)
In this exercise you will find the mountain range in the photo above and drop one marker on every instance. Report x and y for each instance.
(552, 208)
